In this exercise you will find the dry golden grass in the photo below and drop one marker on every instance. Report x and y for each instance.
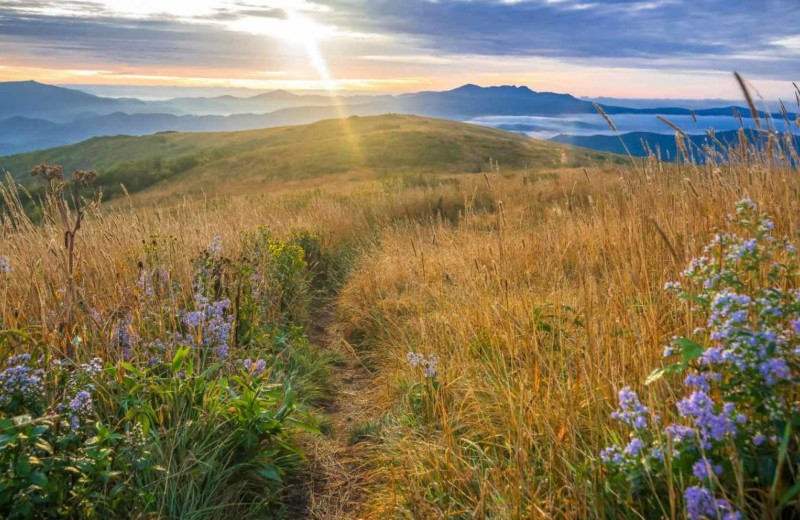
(539, 295)
(536, 314)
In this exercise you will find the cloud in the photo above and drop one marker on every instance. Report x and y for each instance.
(406, 38)
(707, 33)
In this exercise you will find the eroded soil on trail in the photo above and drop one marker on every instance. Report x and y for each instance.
(334, 484)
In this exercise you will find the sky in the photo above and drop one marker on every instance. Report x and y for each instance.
(617, 48)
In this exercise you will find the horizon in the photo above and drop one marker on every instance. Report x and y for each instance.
(145, 93)
(337, 46)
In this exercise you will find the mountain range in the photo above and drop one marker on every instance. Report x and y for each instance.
(36, 116)
(642, 144)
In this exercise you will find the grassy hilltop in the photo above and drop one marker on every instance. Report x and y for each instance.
(230, 162)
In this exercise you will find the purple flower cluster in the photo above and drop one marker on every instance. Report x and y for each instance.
(80, 408)
(5, 265)
(701, 410)
(428, 365)
(630, 411)
(702, 504)
(212, 324)
(701, 468)
(21, 386)
(215, 248)
(255, 368)
(122, 336)
(743, 381)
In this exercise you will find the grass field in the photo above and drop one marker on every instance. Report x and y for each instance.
(456, 343)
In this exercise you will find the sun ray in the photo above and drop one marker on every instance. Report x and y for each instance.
(304, 31)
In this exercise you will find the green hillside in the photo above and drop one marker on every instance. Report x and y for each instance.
(389, 144)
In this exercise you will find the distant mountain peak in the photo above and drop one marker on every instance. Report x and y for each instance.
(510, 89)
(467, 87)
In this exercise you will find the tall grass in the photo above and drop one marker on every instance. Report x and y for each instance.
(536, 315)
(537, 297)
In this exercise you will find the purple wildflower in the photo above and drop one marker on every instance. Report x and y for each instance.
(700, 469)
(700, 504)
(630, 411)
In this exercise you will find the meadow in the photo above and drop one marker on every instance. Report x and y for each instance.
(417, 345)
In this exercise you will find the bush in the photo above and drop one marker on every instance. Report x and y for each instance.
(192, 411)
(58, 458)
(734, 451)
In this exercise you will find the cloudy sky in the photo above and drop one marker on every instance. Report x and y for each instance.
(623, 48)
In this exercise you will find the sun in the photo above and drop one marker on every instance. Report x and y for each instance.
(307, 33)
(297, 30)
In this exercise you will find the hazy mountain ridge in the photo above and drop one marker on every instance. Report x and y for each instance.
(37, 116)
(641, 144)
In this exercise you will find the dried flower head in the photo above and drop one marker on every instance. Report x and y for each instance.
(84, 177)
(48, 172)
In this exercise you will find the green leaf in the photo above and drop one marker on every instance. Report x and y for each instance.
(132, 369)
(658, 373)
(6, 439)
(177, 361)
(789, 495)
(655, 375)
(39, 479)
(695, 299)
(690, 350)
(782, 450)
(270, 472)
(304, 426)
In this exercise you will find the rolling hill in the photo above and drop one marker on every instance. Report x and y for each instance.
(374, 146)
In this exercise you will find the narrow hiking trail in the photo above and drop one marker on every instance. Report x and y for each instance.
(335, 482)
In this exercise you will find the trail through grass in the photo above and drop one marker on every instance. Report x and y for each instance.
(333, 484)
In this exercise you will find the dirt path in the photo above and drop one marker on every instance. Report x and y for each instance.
(334, 486)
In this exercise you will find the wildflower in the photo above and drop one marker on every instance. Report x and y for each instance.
(80, 408)
(21, 386)
(428, 365)
(672, 286)
(212, 323)
(630, 411)
(745, 205)
(84, 177)
(259, 367)
(679, 433)
(135, 437)
(5, 266)
(700, 503)
(773, 370)
(255, 369)
(216, 245)
(611, 455)
(82, 403)
(700, 469)
(742, 384)
(634, 447)
(656, 453)
(711, 425)
(123, 337)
